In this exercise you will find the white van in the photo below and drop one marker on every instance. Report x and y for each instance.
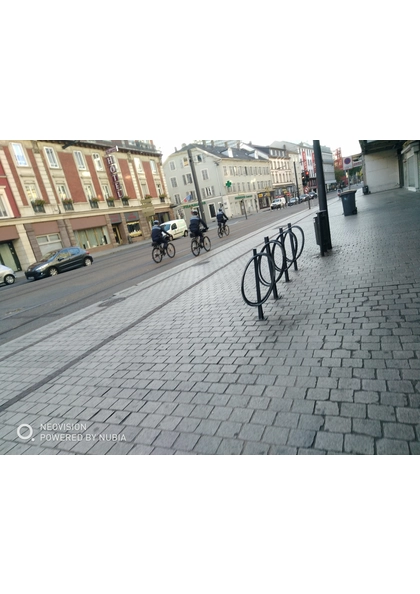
(176, 228)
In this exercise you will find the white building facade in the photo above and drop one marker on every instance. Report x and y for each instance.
(227, 177)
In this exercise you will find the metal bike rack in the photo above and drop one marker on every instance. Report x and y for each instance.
(275, 271)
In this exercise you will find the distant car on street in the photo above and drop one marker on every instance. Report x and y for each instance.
(59, 261)
(312, 195)
(278, 203)
(293, 201)
(7, 276)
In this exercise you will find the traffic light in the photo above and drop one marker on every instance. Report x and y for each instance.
(307, 175)
(304, 182)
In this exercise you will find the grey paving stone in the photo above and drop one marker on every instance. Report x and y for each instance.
(408, 415)
(207, 444)
(329, 441)
(253, 448)
(353, 410)
(392, 447)
(241, 415)
(327, 408)
(398, 431)
(359, 444)
(301, 438)
(337, 424)
(229, 429)
(282, 451)
(166, 439)
(186, 442)
(134, 419)
(309, 422)
(367, 427)
(140, 450)
(381, 413)
(275, 435)
(230, 447)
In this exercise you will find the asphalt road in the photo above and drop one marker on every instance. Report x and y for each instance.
(29, 305)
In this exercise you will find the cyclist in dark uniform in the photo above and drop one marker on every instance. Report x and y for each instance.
(195, 226)
(159, 235)
(222, 219)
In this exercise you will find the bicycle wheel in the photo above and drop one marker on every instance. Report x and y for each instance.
(195, 247)
(227, 230)
(220, 232)
(170, 250)
(206, 243)
(250, 293)
(157, 255)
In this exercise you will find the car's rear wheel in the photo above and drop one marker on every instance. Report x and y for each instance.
(185, 233)
(9, 279)
(87, 262)
(53, 271)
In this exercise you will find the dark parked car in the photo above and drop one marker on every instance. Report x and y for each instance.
(312, 195)
(59, 261)
(293, 201)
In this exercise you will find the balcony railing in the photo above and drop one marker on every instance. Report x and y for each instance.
(38, 206)
(94, 203)
(68, 206)
(111, 203)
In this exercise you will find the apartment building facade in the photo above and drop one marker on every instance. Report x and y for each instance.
(95, 194)
(228, 177)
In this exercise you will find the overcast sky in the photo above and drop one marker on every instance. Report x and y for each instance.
(348, 147)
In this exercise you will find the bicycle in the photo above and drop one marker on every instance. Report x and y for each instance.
(159, 250)
(197, 245)
(223, 230)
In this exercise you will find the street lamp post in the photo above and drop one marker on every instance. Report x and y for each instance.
(322, 196)
(197, 189)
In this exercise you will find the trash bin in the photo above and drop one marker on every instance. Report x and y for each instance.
(322, 231)
(349, 202)
(366, 190)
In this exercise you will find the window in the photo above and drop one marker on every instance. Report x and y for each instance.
(62, 192)
(107, 193)
(205, 174)
(173, 182)
(172, 166)
(3, 211)
(187, 179)
(185, 162)
(153, 166)
(52, 159)
(138, 165)
(89, 192)
(31, 191)
(177, 199)
(48, 243)
(209, 191)
(79, 160)
(99, 166)
(20, 155)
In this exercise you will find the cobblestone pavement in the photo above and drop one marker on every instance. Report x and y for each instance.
(179, 364)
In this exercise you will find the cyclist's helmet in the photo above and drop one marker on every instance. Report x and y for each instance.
(220, 209)
(156, 223)
(194, 212)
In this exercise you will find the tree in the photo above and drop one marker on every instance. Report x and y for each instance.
(340, 175)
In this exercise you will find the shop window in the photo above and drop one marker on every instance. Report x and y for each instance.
(90, 238)
(48, 243)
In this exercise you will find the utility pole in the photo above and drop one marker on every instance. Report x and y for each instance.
(297, 185)
(197, 189)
